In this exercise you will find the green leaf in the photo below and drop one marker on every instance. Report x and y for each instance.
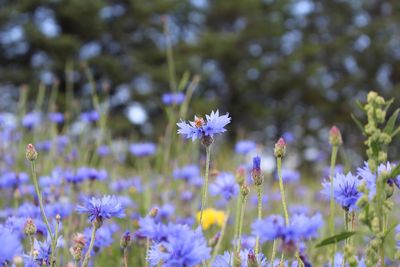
(184, 80)
(389, 230)
(395, 172)
(391, 122)
(358, 123)
(395, 132)
(389, 103)
(335, 239)
(360, 106)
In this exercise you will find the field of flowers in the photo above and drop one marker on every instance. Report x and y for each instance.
(72, 195)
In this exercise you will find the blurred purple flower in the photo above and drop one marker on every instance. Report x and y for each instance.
(173, 98)
(142, 149)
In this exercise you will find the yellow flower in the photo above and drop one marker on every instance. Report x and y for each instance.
(211, 217)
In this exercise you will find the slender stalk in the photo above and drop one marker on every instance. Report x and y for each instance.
(205, 186)
(332, 203)
(170, 57)
(239, 244)
(87, 255)
(259, 215)
(273, 251)
(147, 251)
(218, 245)
(346, 228)
(282, 189)
(125, 257)
(39, 195)
(237, 218)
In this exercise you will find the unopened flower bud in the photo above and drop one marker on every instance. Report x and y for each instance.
(280, 148)
(240, 175)
(251, 259)
(76, 253)
(256, 171)
(244, 190)
(153, 212)
(79, 240)
(58, 218)
(30, 227)
(237, 261)
(126, 240)
(335, 137)
(31, 153)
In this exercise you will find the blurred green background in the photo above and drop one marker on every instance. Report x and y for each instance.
(276, 66)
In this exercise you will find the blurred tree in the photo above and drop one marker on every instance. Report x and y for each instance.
(274, 65)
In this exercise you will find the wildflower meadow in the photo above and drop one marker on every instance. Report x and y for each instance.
(231, 176)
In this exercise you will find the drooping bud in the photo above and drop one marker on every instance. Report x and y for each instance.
(251, 259)
(126, 240)
(153, 212)
(280, 148)
(31, 153)
(30, 227)
(240, 175)
(335, 136)
(256, 171)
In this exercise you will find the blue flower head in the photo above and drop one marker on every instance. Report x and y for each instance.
(245, 146)
(142, 149)
(181, 246)
(345, 190)
(303, 227)
(56, 117)
(226, 259)
(101, 208)
(224, 185)
(200, 128)
(187, 173)
(256, 163)
(172, 98)
(268, 228)
(11, 245)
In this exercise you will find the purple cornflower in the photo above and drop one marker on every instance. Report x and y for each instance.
(226, 259)
(224, 185)
(370, 178)
(101, 208)
(31, 120)
(142, 149)
(103, 237)
(200, 128)
(187, 173)
(303, 227)
(11, 246)
(181, 246)
(13, 179)
(103, 151)
(90, 116)
(289, 176)
(345, 190)
(269, 228)
(173, 98)
(56, 117)
(245, 146)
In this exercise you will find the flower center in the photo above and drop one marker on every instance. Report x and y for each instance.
(199, 122)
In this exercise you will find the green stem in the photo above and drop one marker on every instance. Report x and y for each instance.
(39, 195)
(259, 215)
(170, 58)
(332, 203)
(346, 228)
(237, 218)
(205, 186)
(273, 252)
(282, 189)
(87, 255)
(239, 244)
(147, 251)
(218, 245)
(125, 257)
